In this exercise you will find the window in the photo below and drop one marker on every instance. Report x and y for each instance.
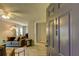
(21, 30)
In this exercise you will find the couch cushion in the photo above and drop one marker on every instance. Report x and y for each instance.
(12, 43)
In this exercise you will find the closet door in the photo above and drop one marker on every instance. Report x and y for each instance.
(65, 34)
(56, 36)
(51, 36)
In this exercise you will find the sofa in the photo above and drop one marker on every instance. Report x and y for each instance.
(12, 44)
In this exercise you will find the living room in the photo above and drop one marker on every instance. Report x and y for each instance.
(20, 28)
(12, 35)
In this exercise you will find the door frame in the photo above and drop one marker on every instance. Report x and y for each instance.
(52, 21)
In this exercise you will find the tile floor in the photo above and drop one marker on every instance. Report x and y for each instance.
(37, 50)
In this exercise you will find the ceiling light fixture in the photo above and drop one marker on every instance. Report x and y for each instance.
(5, 14)
(13, 27)
(5, 17)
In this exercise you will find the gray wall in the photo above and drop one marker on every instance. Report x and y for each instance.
(75, 29)
(73, 9)
(64, 35)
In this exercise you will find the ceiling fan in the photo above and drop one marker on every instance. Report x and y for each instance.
(8, 13)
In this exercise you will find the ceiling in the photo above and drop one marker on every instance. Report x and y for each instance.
(27, 11)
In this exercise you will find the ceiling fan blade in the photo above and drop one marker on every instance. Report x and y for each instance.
(16, 14)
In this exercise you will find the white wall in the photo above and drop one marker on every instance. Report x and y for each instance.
(41, 32)
(5, 31)
(31, 31)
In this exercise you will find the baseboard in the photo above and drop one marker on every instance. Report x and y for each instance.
(60, 54)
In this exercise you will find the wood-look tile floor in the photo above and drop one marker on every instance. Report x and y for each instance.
(37, 50)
